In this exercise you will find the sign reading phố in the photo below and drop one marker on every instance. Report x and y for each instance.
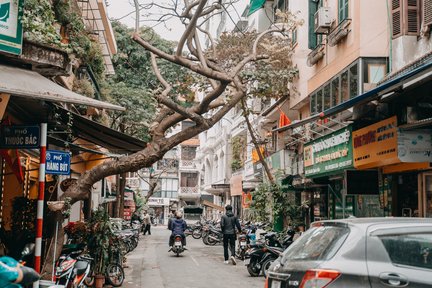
(57, 162)
(330, 153)
(11, 32)
(16, 137)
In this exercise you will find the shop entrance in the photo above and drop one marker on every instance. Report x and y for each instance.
(425, 196)
(405, 203)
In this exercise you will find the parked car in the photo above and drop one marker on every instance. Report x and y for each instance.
(358, 252)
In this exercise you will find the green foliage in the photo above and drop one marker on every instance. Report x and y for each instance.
(100, 237)
(271, 200)
(236, 164)
(238, 146)
(38, 23)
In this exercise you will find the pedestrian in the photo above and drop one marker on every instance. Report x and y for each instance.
(229, 223)
(146, 223)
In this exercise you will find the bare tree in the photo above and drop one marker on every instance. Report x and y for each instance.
(225, 87)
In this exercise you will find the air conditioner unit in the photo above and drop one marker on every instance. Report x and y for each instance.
(323, 20)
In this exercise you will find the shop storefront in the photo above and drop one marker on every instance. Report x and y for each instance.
(159, 209)
(401, 160)
(325, 161)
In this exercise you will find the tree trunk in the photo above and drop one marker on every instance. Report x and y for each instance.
(257, 147)
(53, 254)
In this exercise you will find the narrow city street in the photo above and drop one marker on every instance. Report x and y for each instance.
(150, 265)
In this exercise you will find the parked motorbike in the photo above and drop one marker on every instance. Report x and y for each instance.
(242, 246)
(177, 246)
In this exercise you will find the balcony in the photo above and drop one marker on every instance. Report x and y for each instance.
(133, 182)
(189, 193)
(187, 164)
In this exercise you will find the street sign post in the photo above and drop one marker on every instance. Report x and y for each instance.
(57, 162)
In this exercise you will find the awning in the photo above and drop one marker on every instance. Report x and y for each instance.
(387, 87)
(103, 136)
(29, 84)
(255, 5)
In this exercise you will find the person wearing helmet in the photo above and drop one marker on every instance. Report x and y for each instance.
(178, 226)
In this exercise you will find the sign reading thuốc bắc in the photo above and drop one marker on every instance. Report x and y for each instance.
(11, 32)
(329, 154)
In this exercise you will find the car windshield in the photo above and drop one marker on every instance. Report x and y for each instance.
(318, 243)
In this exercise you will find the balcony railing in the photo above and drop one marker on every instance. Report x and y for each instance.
(187, 164)
(133, 182)
(188, 190)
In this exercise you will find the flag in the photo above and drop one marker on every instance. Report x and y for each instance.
(12, 158)
(283, 119)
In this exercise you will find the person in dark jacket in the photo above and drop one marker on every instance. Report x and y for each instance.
(229, 223)
(177, 226)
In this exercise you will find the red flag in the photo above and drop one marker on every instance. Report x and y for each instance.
(11, 156)
(283, 119)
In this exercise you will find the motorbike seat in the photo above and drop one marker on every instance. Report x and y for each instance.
(80, 267)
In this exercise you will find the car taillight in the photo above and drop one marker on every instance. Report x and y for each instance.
(319, 278)
(266, 283)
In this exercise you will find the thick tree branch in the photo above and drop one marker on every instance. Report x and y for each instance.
(190, 29)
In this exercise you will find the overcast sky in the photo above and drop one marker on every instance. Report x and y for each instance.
(172, 31)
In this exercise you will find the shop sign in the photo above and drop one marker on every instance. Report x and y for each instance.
(11, 32)
(415, 146)
(376, 145)
(20, 137)
(327, 154)
(158, 201)
(236, 187)
(57, 162)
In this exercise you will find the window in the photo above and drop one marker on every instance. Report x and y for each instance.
(294, 37)
(318, 243)
(319, 105)
(343, 10)
(409, 249)
(375, 73)
(405, 17)
(313, 7)
(335, 91)
(313, 104)
(344, 86)
(282, 5)
(327, 99)
(188, 152)
(353, 81)
(189, 180)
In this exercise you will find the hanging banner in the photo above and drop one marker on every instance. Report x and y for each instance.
(246, 200)
(57, 162)
(328, 154)
(11, 32)
(20, 137)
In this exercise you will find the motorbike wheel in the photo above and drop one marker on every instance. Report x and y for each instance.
(205, 240)
(115, 275)
(196, 234)
(89, 280)
(266, 265)
(253, 268)
(134, 243)
(211, 242)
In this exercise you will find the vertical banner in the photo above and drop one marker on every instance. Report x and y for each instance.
(11, 32)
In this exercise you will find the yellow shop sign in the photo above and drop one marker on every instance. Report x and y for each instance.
(376, 145)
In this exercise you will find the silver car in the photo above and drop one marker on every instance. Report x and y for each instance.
(358, 252)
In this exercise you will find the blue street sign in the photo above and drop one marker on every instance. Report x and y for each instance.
(20, 137)
(57, 162)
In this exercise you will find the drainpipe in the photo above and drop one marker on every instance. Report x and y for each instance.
(390, 37)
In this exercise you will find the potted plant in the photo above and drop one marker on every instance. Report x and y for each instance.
(100, 235)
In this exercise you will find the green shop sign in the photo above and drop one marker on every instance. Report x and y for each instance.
(11, 34)
(329, 154)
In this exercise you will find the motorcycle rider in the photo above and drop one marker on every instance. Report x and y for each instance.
(177, 226)
(12, 274)
(228, 224)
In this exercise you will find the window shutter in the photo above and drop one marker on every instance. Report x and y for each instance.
(427, 12)
(412, 17)
(313, 7)
(396, 18)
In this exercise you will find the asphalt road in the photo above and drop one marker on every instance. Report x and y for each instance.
(150, 265)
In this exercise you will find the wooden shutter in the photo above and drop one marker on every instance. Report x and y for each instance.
(412, 20)
(396, 18)
(427, 12)
(313, 7)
